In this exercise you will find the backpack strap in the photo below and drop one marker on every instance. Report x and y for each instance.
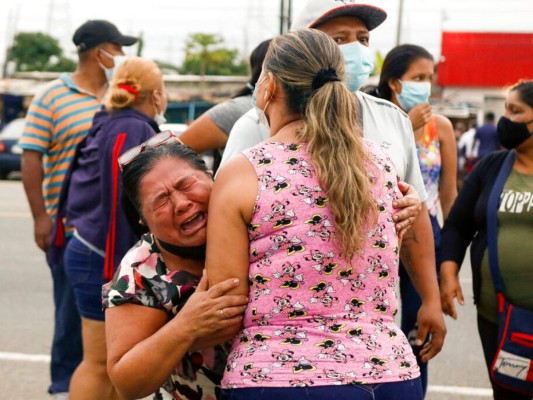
(492, 219)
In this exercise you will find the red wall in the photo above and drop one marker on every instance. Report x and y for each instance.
(485, 59)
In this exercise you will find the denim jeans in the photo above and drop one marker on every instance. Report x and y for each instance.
(411, 303)
(67, 349)
(403, 390)
(85, 271)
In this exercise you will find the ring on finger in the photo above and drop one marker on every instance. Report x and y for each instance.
(222, 315)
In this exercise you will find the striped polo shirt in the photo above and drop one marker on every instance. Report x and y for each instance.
(58, 118)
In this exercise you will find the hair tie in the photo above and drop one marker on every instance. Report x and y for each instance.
(129, 89)
(324, 76)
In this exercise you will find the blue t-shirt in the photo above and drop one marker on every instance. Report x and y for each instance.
(487, 137)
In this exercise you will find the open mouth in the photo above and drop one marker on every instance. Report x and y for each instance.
(194, 223)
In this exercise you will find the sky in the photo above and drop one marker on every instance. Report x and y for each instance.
(243, 24)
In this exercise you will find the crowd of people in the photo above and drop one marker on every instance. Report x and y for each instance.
(279, 278)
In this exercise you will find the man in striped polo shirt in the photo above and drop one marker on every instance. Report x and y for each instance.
(58, 118)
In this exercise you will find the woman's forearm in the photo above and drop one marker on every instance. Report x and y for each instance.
(219, 337)
(418, 257)
(449, 269)
(447, 195)
(446, 202)
(448, 173)
(143, 348)
(146, 366)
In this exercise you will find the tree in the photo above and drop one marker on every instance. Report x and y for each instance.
(63, 64)
(379, 64)
(36, 51)
(140, 45)
(205, 54)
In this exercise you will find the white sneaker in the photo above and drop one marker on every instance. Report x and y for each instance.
(60, 396)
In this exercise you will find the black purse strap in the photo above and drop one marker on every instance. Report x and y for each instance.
(492, 219)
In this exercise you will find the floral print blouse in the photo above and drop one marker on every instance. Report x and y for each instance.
(143, 279)
(429, 158)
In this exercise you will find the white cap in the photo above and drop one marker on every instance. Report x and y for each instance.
(317, 12)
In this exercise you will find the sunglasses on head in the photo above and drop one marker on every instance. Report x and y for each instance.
(155, 141)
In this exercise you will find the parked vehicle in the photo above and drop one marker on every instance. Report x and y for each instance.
(186, 112)
(10, 151)
(176, 128)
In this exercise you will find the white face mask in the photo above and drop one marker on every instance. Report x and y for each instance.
(260, 113)
(160, 119)
(359, 64)
(117, 60)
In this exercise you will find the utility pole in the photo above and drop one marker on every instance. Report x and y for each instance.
(289, 15)
(281, 16)
(400, 19)
(11, 31)
(285, 16)
(58, 22)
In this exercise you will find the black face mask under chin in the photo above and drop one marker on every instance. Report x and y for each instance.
(192, 253)
(512, 134)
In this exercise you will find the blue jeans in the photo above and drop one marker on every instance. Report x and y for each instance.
(411, 303)
(403, 390)
(67, 348)
(85, 271)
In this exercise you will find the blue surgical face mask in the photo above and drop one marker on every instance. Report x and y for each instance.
(359, 64)
(260, 113)
(413, 93)
(254, 95)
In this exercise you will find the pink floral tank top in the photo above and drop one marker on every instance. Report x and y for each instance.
(314, 319)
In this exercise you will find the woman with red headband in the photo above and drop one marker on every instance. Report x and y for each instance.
(91, 207)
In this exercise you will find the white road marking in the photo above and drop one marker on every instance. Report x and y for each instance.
(15, 214)
(460, 390)
(24, 357)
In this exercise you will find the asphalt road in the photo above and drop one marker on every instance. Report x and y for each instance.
(26, 319)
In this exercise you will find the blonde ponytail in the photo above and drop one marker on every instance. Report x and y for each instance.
(124, 93)
(133, 80)
(335, 145)
(330, 127)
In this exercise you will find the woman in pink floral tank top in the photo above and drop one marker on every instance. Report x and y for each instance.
(307, 219)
